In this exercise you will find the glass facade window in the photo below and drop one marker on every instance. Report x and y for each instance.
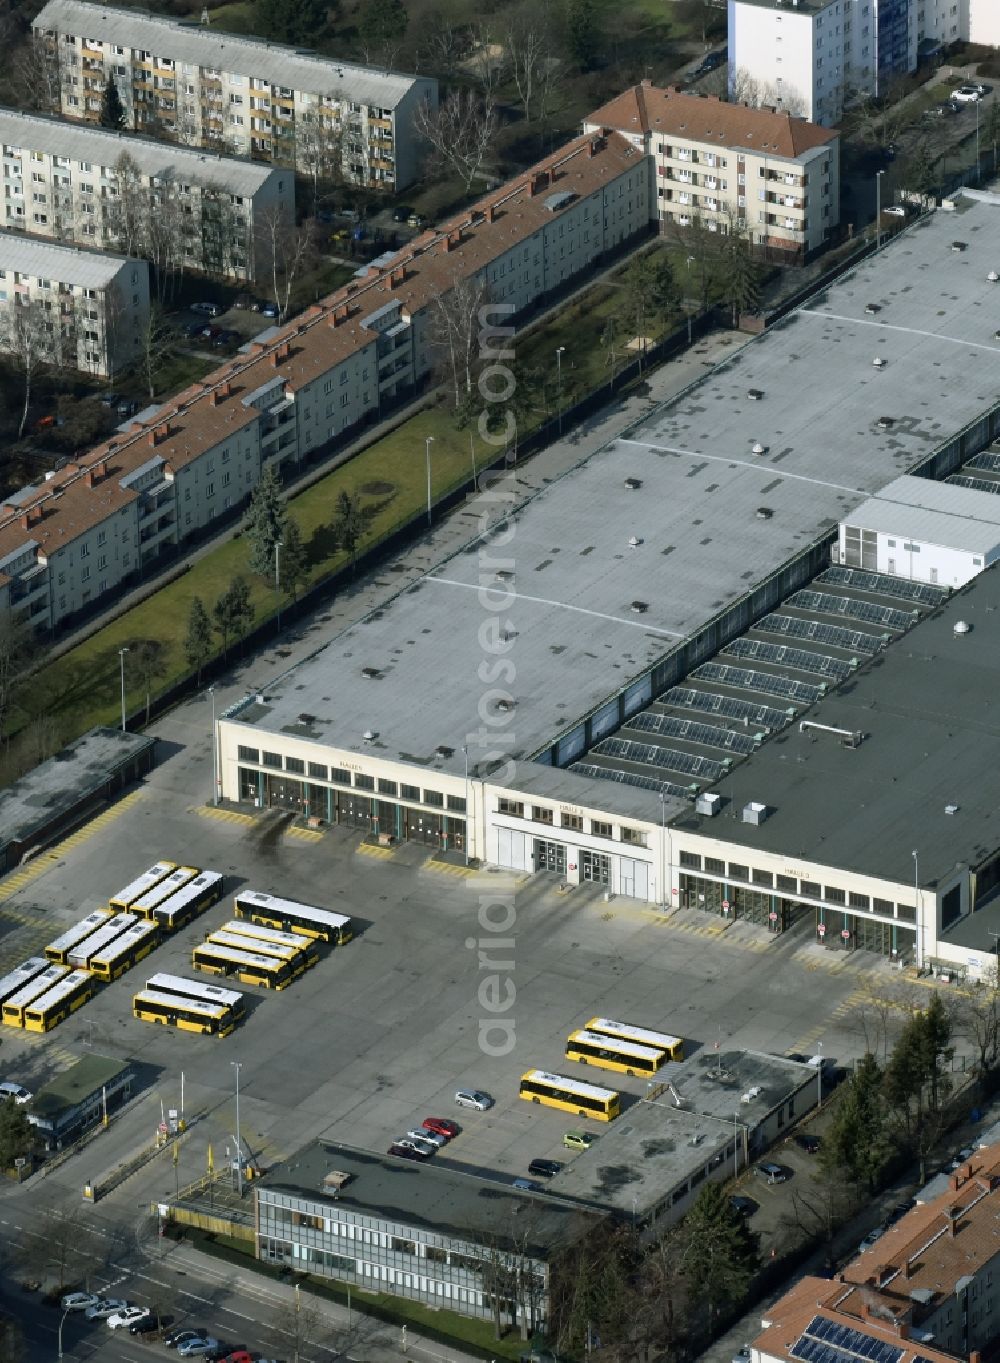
(787, 883)
(363, 782)
(515, 807)
(272, 759)
(715, 866)
(859, 901)
(434, 798)
(907, 912)
(691, 859)
(635, 837)
(600, 829)
(340, 776)
(410, 792)
(834, 896)
(296, 765)
(883, 906)
(810, 889)
(541, 815)
(763, 878)
(573, 821)
(248, 754)
(319, 770)
(738, 872)
(456, 803)
(386, 787)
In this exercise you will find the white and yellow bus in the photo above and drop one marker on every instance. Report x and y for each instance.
(147, 904)
(187, 903)
(14, 1006)
(295, 960)
(254, 932)
(59, 950)
(590, 1048)
(583, 1100)
(286, 915)
(248, 967)
(62, 999)
(80, 955)
(186, 1014)
(20, 976)
(641, 1036)
(124, 899)
(134, 944)
(162, 983)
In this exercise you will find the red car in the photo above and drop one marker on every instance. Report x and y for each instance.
(441, 1125)
(240, 1356)
(404, 1152)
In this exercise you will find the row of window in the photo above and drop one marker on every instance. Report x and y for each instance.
(808, 889)
(340, 776)
(599, 828)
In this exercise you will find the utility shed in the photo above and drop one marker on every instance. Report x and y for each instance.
(924, 531)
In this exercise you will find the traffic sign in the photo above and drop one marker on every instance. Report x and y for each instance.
(846, 934)
(821, 929)
(725, 906)
(773, 916)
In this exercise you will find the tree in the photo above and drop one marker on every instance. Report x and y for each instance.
(720, 1254)
(857, 1144)
(294, 1324)
(198, 643)
(582, 35)
(919, 173)
(234, 612)
(17, 1135)
(916, 1080)
(979, 1018)
(348, 524)
(459, 131)
(650, 291)
(936, 1049)
(319, 150)
(149, 663)
(35, 80)
(444, 38)
(382, 27)
(703, 16)
(25, 336)
(265, 521)
(741, 275)
(13, 1346)
(590, 1291)
(612, 348)
(746, 88)
(453, 331)
(991, 132)
(112, 109)
(64, 1246)
(156, 347)
(16, 648)
(294, 559)
(527, 42)
(285, 250)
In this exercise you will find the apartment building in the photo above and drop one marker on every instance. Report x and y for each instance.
(79, 309)
(940, 22)
(241, 95)
(726, 164)
(175, 205)
(812, 57)
(301, 389)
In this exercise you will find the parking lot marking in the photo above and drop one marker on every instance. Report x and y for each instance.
(372, 849)
(224, 815)
(46, 860)
(304, 834)
(695, 929)
(449, 868)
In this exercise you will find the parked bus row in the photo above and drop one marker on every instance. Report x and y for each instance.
(37, 995)
(285, 915)
(255, 954)
(189, 1005)
(169, 895)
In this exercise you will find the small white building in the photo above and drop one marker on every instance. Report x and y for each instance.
(924, 531)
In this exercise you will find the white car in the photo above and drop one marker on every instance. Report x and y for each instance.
(122, 1319)
(420, 1133)
(79, 1301)
(15, 1091)
(895, 211)
(474, 1098)
(967, 94)
(421, 1146)
(105, 1307)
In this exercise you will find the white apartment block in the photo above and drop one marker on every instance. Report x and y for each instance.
(79, 309)
(174, 205)
(812, 57)
(295, 393)
(940, 22)
(240, 95)
(726, 164)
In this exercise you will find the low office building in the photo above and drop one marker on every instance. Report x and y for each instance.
(928, 1289)
(727, 165)
(924, 531)
(246, 96)
(85, 1094)
(76, 309)
(447, 1239)
(298, 391)
(62, 793)
(184, 209)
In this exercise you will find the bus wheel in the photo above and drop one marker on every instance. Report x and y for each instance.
(535, 1100)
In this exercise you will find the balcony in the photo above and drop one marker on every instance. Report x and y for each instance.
(710, 182)
(684, 198)
(712, 205)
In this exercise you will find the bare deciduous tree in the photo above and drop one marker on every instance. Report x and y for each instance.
(319, 150)
(746, 88)
(25, 335)
(459, 132)
(156, 345)
(285, 250)
(528, 41)
(15, 652)
(34, 77)
(453, 332)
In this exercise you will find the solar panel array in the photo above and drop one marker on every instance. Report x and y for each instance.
(987, 460)
(827, 1341)
(977, 484)
(711, 735)
(884, 585)
(853, 640)
(713, 703)
(857, 610)
(798, 658)
(652, 755)
(628, 778)
(743, 679)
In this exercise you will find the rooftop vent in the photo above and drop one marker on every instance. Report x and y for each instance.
(961, 627)
(758, 448)
(634, 541)
(443, 751)
(633, 484)
(708, 803)
(959, 245)
(992, 277)
(369, 735)
(878, 362)
(764, 513)
(755, 812)
(951, 809)
(335, 1180)
(505, 706)
(872, 308)
(639, 607)
(885, 423)
(307, 719)
(371, 673)
(755, 394)
(504, 575)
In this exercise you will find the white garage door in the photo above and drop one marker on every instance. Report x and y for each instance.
(512, 850)
(634, 878)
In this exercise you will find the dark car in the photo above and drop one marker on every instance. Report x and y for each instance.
(128, 407)
(110, 399)
(402, 214)
(807, 1142)
(746, 1206)
(898, 1212)
(771, 1172)
(546, 1167)
(268, 309)
(405, 1152)
(184, 1332)
(146, 1325)
(208, 309)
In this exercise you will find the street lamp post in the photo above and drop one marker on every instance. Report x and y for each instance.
(121, 666)
(465, 754)
(819, 1075)
(663, 848)
(916, 909)
(237, 1066)
(736, 1143)
(428, 442)
(878, 208)
(278, 546)
(977, 141)
(61, 1324)
(215, 752)
(559, 355)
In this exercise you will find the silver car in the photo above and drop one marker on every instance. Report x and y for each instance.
(474, 1098)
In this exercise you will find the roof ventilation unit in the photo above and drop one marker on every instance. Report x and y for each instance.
(959, 245)
(758, 448)
(872, 308)
(634, 541)
(992, 277)
(505, 706)
(639, 607)
(260, 698)
(369, 735)
(755, 812)
(951, 809)
(962, 627)
(708, 803)
(764, 513)
(504, 575)
(371, 673)
(633, 484)
(878, 362)
(755, 394)
(886, 423)
(443, 751)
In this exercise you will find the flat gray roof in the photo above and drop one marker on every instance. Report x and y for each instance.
(195, 45)
(654, 1146)
(444, 1201)
(55, 787)
(75, 1085)
(934, 513)
(99, 146)
(926, 706)
(53, 260)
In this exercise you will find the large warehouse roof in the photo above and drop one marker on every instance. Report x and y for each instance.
(712, 519)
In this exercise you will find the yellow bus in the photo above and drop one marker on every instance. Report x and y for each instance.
(247, 966)
(188, 902)
(61, 1000)
(641, 1036)
(80, 956)
(295, 959)
(57, 951)
(14, 1006)
(124, 899)
(147, 904)
(22, 975)
(162, 983)
(186, 1014)
(261, 935)
(584, 1100)
(285, 914)
(132, 945)
(590, 1048)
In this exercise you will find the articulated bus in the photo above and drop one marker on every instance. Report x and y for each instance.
(80, 956)
(124, 899)
(590, 1048)
(622, 1031)
(146, 904)
(295, 959)
(61, 1000)
(161, 983)
(58, 950)
(272, 912)
(555, 1090)
(13, 1008)
(130, 946)
(247, 966)
(271, 937)
(23, 975)
(188, 902)
(186, 1014)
